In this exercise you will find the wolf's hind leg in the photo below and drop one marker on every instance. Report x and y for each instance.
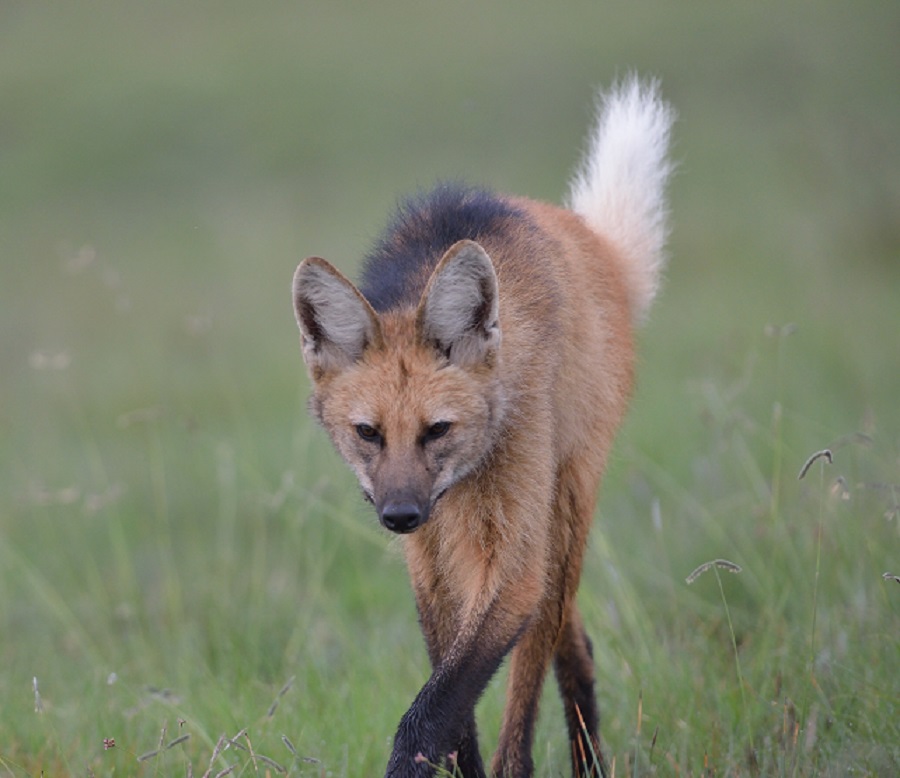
(573, 664)
(529, 662)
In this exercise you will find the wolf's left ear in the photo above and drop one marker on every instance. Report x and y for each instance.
(336, 322)
(459, 310)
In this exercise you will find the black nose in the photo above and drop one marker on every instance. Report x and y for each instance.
(401, 517)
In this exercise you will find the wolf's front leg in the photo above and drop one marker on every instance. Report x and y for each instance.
(467, 759)
(441, 720)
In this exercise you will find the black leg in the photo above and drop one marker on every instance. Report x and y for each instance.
(574, 668)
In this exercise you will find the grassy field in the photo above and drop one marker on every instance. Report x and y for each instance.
(182, 556)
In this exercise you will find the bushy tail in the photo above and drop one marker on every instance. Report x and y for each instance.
(619, 188)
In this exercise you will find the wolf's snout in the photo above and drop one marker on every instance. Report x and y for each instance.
(401, 517)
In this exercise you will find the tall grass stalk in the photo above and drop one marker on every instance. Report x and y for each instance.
(823, 456)
(734, 648)
(715, 565)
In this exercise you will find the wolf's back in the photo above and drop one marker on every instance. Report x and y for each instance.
(619, 187)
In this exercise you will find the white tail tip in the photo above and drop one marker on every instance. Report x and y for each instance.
(619, 187)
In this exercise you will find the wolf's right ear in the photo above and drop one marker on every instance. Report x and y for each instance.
(336, 322)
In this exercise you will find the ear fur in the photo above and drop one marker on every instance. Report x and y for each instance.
(459, 309)
(336, 322)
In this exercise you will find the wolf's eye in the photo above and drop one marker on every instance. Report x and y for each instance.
(436, 430)
(368, 432)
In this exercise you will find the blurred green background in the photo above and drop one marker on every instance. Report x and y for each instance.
(176, 540)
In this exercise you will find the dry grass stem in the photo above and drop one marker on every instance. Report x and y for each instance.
(722, 564)
(284, 690)
(289, 745)
(278, 768)
(825, 452)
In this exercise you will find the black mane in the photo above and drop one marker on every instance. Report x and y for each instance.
(423, 227)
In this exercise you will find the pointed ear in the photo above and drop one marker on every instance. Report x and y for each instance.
(336, 322)
(459, 310)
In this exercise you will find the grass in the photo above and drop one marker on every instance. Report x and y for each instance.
(187, 571)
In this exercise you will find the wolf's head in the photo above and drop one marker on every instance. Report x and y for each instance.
(412, 398)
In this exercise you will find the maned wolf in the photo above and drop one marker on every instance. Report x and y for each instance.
(474, 382)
